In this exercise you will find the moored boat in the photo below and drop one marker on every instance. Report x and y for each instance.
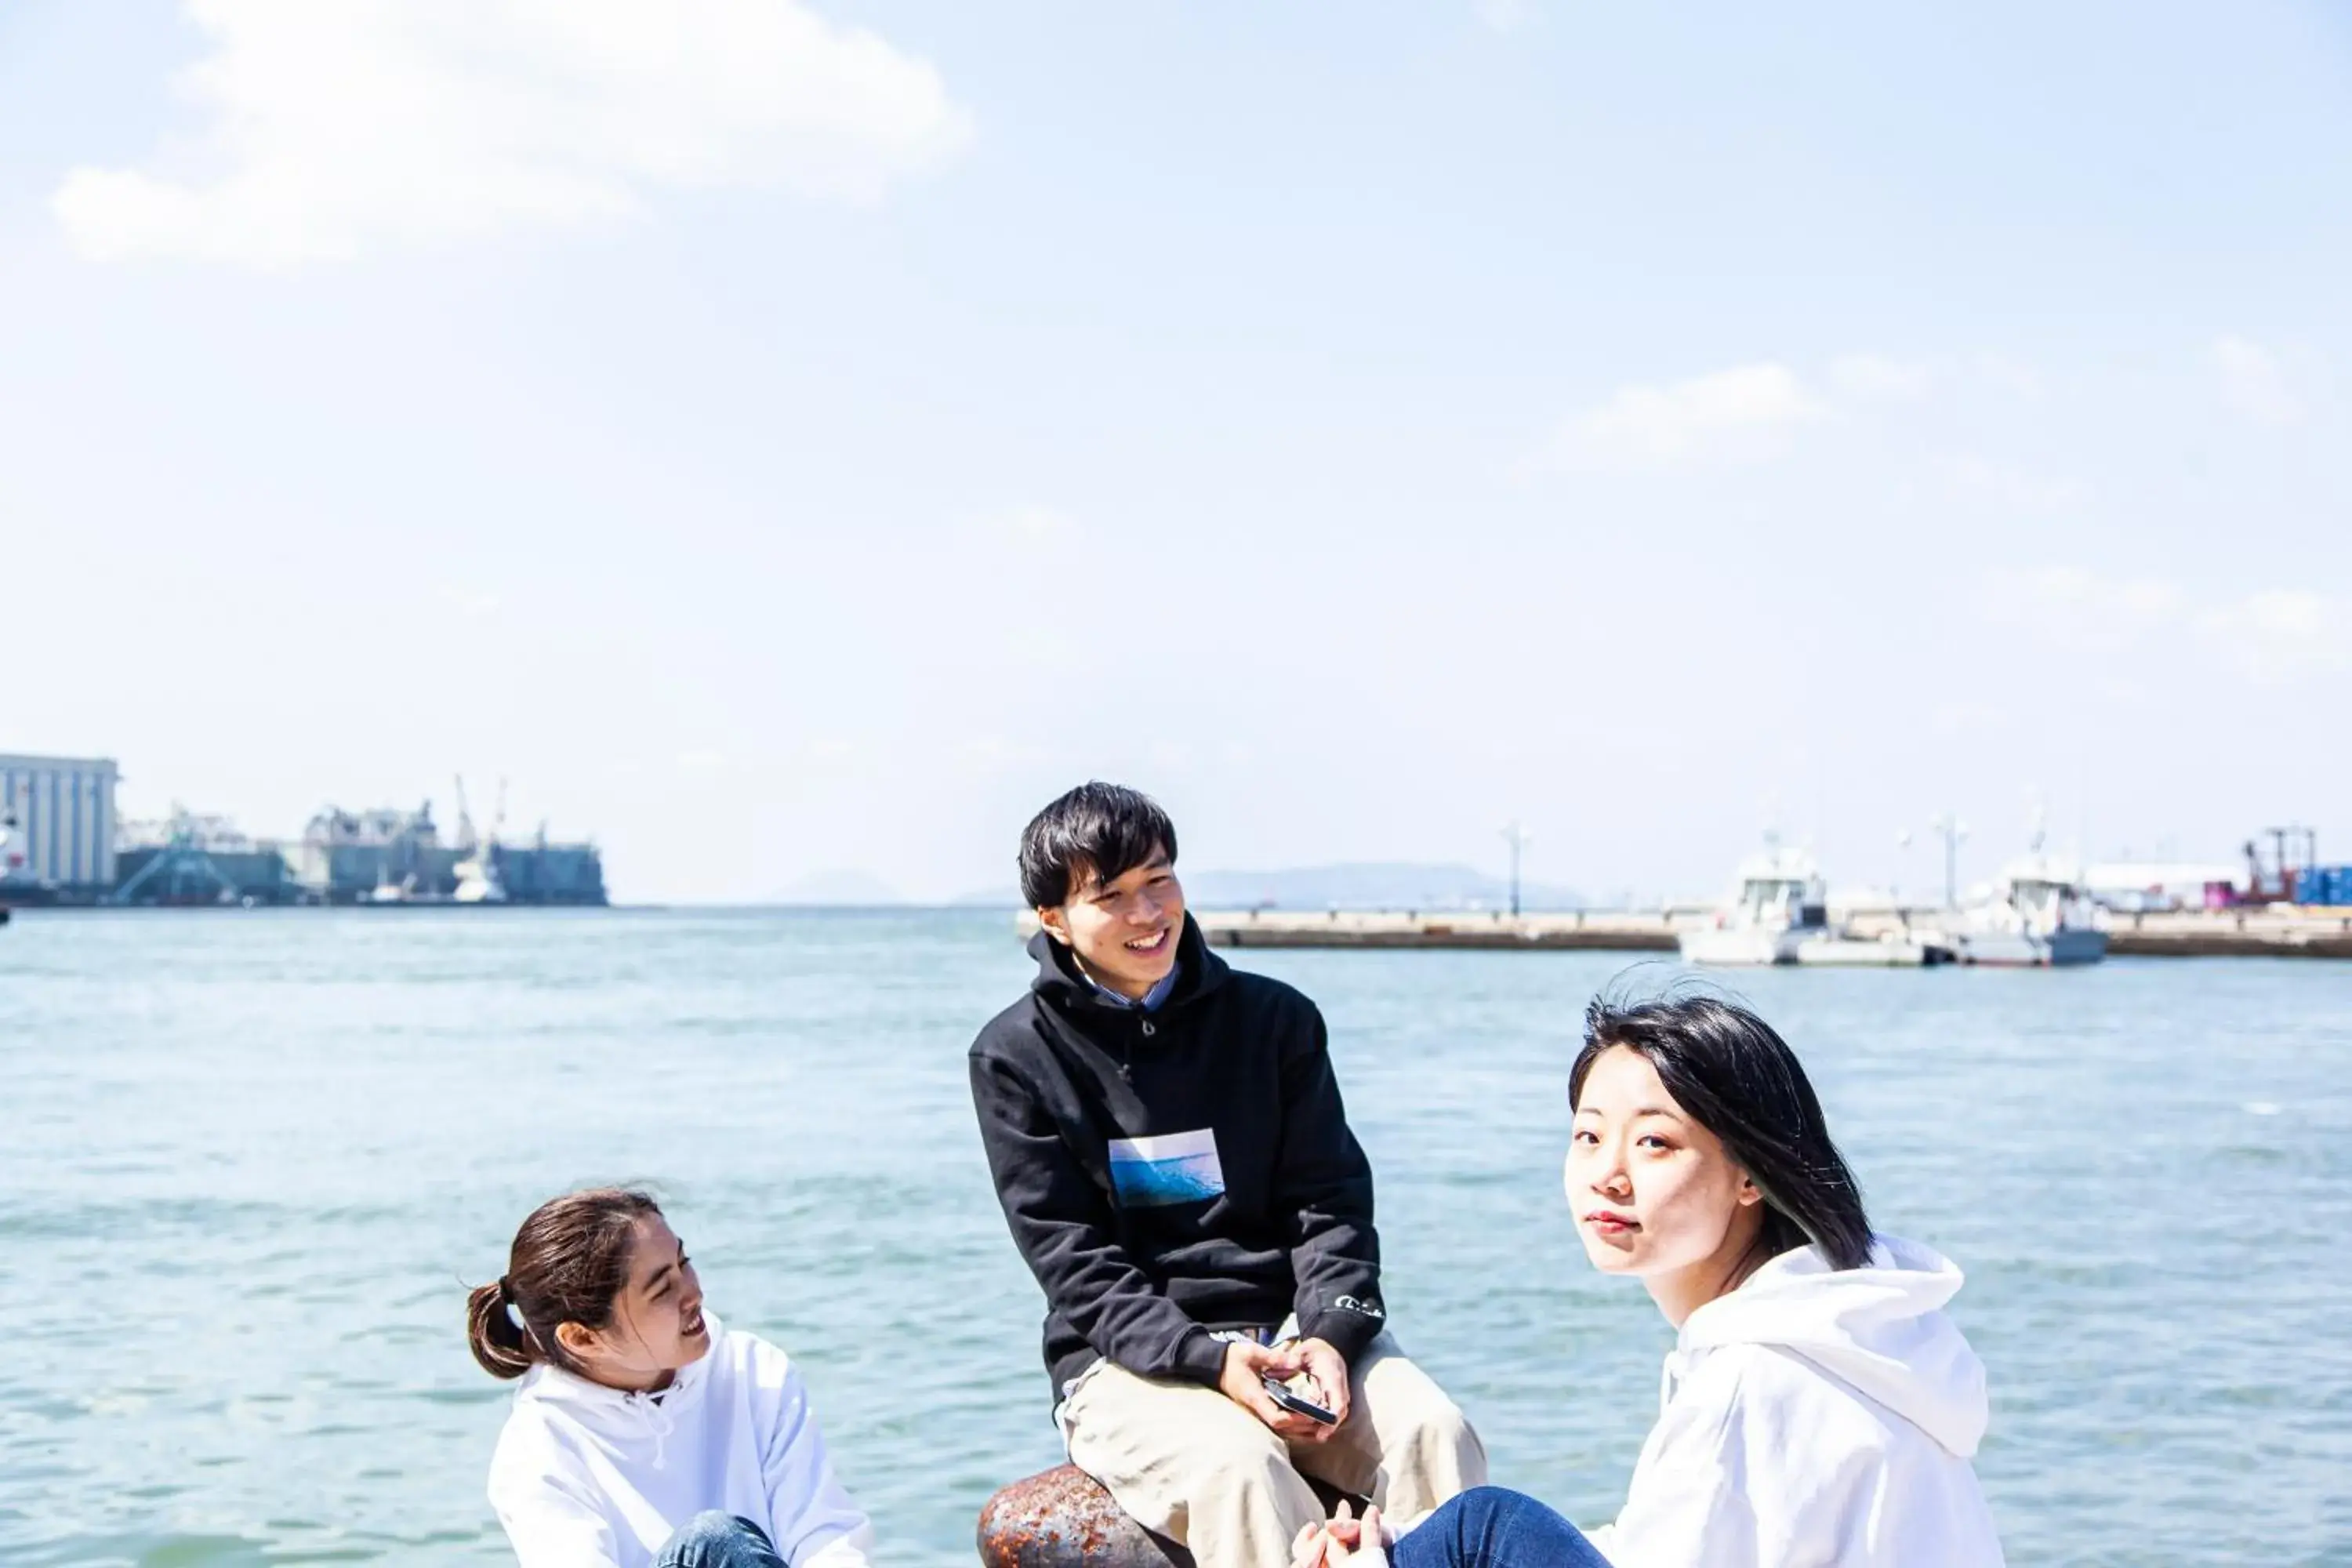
(2036, 915)
(1840, 949)
(1778, 904)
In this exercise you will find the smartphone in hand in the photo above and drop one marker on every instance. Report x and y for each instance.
(1281, 1395)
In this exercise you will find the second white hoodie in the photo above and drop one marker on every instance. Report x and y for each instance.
(589, 1476)
(1817, 1416)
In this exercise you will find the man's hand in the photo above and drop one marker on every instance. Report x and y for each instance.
(1328, 1368)
(1242, 1381)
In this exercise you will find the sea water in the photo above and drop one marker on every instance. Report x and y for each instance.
(252, 1161)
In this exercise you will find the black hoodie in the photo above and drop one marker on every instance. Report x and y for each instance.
(1173, 1171)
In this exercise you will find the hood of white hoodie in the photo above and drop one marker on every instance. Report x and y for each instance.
(621, 1418)
(1881, 1328)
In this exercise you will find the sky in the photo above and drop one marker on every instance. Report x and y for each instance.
(787, 438)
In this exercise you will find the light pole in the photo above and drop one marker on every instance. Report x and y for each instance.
(1953, 830)
(1518, 838)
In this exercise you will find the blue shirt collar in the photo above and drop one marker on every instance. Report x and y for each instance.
(1151, 999)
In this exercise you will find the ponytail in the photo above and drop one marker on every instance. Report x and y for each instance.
(568, 1264)
(503, 1346)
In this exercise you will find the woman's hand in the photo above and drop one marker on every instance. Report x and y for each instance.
(1343, 1543)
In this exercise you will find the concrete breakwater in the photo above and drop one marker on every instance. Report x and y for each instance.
(1582, 930)
(2279, 932)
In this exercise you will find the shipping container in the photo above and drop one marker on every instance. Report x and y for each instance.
(60, 812)
(2324, 885)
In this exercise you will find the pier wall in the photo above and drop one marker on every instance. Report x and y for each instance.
(1592, 931)
(2277, 932)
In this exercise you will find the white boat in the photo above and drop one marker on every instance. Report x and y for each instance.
(1838, 949)
(478, 879)
(387, 892)
(1779, 904)
(1778, 913)
(478, 873)
(2035, 915)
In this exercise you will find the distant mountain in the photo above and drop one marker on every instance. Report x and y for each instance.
(1400, 885)
(840, 888)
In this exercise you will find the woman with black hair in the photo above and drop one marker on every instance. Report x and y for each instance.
(1818, 1407)
(643, 1434)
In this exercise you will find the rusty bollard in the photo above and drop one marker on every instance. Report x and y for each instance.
(1064, 1519)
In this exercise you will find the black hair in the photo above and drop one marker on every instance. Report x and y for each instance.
(1108, 828)
(567, 1265)
(1733, 1076)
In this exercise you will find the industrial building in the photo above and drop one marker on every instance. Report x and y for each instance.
(61, 843)
(187, 859)
(375, 858)
(59, 817)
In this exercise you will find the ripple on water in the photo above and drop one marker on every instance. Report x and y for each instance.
(271, 1154)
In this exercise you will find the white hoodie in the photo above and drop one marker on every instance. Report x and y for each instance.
(1820, 1418)
(589, 1476)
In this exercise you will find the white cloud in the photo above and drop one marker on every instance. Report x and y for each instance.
(474, 603)
(993, 754)
(338, 126)
(1749, 412)
(1029, 525)
(2014, 376)
(1507, 16)
(2273, 636)
(2015, 489)
(2088, 600)
(1876, 378)
(1968, 719)
(2255, 382)
(2279, 634)
(1744, 412)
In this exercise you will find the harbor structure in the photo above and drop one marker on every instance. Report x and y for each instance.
(2042, 911)
(2151, 887)
(380, 856)
(59, 817)
(377, 858)
(63, 843)
(191, 860)
(2279, 931)
(388, 856)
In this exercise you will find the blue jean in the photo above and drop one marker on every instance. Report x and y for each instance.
(717, 1538)
(1491, 1527)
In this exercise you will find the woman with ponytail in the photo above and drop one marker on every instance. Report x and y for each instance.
(643, 1434)
(1819, 1409)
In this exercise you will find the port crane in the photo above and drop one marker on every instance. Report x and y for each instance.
(2292, 853)
(478, 873)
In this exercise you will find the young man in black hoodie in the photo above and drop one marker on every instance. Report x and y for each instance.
(1170, 1148)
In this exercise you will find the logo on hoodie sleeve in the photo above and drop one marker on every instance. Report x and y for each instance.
(1170, 1168)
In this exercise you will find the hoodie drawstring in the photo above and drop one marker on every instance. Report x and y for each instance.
(1670, 1374)
(657, 1422)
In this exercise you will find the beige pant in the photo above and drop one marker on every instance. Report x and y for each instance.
(1186, 1462)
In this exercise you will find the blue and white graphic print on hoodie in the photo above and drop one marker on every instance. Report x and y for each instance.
(589, 1476)
(1820, 1416)
(1172, 1168)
